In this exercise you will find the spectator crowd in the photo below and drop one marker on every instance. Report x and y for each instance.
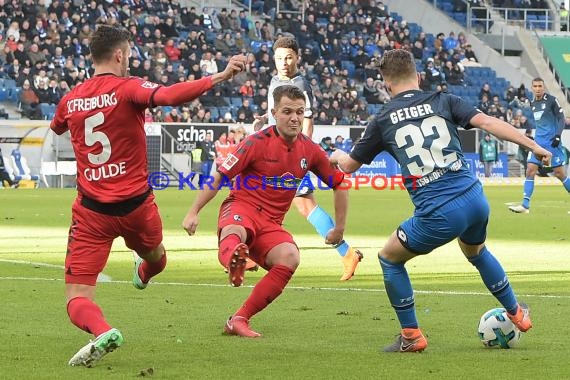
(44, 52)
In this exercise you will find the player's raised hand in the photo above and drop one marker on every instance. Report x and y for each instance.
(259, 122)
(236, 65)
(542, 154)
(190, 223)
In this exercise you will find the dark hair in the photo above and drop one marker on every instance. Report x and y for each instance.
(538, 79)
(286, 43)
(289, 91)
(106, 40)
(398, 65)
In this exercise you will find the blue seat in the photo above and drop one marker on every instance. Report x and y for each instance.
(45, 109)
(215, 113)
(9, 83)
(223, 110)
(236, 101)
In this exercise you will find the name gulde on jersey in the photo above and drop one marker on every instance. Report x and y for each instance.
(105, 116)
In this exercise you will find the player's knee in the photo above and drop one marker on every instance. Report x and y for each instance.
(531, 171)
(287, 256)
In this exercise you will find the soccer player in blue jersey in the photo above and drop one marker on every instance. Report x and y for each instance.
(419, 129)
(549, 121)
(286, 58)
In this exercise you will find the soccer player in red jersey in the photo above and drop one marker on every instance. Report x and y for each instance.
(105, 116)
(286, 59)
(267, 167)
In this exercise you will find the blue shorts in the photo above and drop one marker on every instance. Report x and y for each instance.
(558, 156)
(465, 217)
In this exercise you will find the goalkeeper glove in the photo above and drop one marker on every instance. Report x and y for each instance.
(555, 141)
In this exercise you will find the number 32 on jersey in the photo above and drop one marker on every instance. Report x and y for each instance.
(423, 160)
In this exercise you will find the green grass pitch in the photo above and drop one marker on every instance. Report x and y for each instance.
(319, 328)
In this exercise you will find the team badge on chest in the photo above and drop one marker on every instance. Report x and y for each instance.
(304, 164)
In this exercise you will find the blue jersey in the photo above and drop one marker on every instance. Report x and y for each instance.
(419, 129)
(548, 119)
(298, 81)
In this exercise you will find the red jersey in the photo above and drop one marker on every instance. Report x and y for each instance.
(270, 169)
(105, 116)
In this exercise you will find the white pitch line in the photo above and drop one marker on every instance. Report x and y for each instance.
(429, 292)
(101, 278)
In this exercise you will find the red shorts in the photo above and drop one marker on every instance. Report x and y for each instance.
(91, 235)
(263, 233)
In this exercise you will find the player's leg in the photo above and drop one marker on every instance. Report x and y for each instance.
(560, 173)
(472, 244)
(528, 187)
(281, 260)
(87, 254)
(142, 231)
(392, 258)
(233, 252)
(236, 227)
(419, 235)
(323, 222)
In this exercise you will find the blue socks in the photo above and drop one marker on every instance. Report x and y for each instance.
(529, 188)
(527, 192)
(495, 278)
(323, 223)
(400, 292)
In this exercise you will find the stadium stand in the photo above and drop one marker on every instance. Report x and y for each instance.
(340, 43)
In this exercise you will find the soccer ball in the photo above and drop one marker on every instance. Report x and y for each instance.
(497, 330)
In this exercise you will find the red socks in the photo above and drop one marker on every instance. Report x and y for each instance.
(226, 248)
(266, 290)
(86, 315)
(147, 270)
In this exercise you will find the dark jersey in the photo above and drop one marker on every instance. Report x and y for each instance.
(297, 81)
(419, 129)
(548, 119)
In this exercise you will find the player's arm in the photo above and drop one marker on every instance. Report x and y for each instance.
(344, 161)
(560, 123)
(184, 92)
(308, 116)
(334, 179)
(190, 222)
(59, 125)
(335, 235)
(505, 131)
(308, 125)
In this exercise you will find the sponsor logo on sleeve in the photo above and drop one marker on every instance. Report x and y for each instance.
(230, 162)
(150, 85)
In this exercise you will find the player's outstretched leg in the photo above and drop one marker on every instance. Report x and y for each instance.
(264, 292)
(323, 222)
(144, 270)
(93, 352)
(238, 264)
(401, 295)
(497, 282)
(233, 255)
(85, 314)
